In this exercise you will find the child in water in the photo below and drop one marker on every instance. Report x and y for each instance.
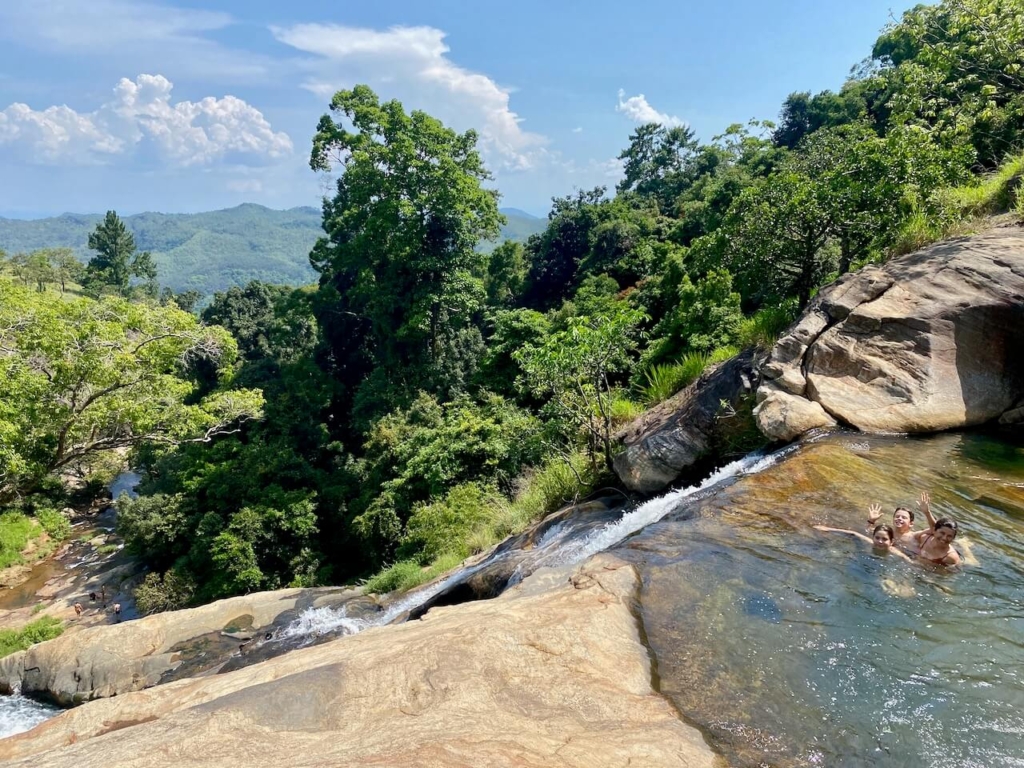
(903, 522)
(929, 545)
(883, 538)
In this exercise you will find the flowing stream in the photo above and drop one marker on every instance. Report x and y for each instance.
(791, 647)
(20, 713)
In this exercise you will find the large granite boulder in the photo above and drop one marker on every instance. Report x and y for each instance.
(553, 673)
(109, 660)
(672, 436)
(926, 342)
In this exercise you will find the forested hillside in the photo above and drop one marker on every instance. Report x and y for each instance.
(210, 251)
(427, 396)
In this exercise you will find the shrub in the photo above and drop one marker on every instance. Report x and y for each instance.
(764, 327)
(621, 409)
(44, 628)
(54, 523)
(444, 526)
(168, 592)
(16, 529)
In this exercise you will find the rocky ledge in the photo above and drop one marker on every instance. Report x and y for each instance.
(109, 660)
(553, 673)
(926, 342)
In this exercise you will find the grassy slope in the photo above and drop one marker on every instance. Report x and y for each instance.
(210, 251)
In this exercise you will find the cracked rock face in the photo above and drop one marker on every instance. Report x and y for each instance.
(930, 341)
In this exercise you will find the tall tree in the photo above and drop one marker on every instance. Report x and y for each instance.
(400, 272)
(82, 376)
(117, 260)
(67, 268)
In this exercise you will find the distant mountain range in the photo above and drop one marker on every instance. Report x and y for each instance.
(214, 250)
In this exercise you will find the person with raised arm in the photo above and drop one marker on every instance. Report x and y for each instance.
(882, 539)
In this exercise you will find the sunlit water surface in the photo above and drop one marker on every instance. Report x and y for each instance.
(793, 647)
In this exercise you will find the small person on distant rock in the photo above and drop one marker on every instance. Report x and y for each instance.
(92, 596)
(117, 611)
(78, 609)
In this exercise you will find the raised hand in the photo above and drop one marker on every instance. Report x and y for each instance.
(925, 504)
(874, 512)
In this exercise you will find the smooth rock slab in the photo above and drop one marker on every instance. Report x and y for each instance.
(553, 674)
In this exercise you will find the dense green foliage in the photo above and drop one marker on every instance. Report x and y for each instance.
(80, 376)
(431, 394)
(43, 628)
(210, 251)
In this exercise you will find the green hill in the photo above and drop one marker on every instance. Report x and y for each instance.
(214, 250)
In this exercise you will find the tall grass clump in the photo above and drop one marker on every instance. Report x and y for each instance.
(16, 529)
(763, 328)
(406, 574)
(999, 192)
(44, 628)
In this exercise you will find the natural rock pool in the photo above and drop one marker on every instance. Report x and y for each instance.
(793, 647)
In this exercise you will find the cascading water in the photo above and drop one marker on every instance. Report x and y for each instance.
(558, 546)
(19, 714)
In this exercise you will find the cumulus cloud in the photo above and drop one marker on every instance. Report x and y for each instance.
(139, 117)
(638, 110)
(412, 64)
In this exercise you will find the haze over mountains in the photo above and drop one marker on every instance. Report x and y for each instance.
(214, 250)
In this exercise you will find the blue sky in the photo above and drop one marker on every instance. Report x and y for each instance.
(189, 106)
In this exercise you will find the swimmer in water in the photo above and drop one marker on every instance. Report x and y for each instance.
(903, 522)
(883, 539)
(934, 546)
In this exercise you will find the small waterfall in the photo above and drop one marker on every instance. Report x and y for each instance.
(19, 714)
(314, 622)
(575, 551)
(556, 547)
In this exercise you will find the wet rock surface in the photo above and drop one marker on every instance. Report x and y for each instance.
(103, 661)
(674, 435)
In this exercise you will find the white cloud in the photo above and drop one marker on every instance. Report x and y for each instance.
(578, 129)
(411, 63)
(141, 117)
(638, 110)
(137, 34)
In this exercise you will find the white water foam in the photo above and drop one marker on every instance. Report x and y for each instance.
(316, 621)
(321, 620)
(19, 714)
(651, 512)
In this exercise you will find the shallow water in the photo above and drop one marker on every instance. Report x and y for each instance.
(793, 647)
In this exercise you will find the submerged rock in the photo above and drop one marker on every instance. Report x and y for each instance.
(552, 673)
(926, 342)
